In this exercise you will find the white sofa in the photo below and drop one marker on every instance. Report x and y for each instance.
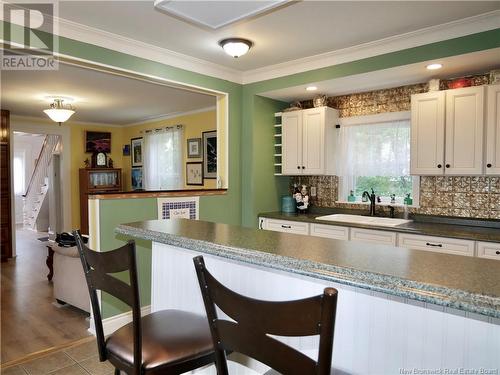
(69, 280)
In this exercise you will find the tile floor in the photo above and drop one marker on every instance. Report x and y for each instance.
(81, 359)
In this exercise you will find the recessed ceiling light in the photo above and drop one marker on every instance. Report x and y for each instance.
(434, 66)
(311, 88)
(235, 47)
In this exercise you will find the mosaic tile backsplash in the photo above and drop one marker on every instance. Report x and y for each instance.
(475, 197)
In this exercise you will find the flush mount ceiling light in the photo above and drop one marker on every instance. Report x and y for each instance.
(59, 112)
(434, 66)
(311, 88)
(235, 47)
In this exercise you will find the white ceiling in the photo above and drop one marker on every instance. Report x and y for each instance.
(101, 98)
(455, 66)
(295, 31)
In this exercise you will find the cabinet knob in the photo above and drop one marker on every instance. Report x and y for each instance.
(298, 166)
(303, 167)
(447, 166)
(440, 166)
(488, 165)
(497, 252)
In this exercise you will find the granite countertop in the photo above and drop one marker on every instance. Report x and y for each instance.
(476, 230)
(465, 283)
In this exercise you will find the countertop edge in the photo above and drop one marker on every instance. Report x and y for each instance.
(391, 285)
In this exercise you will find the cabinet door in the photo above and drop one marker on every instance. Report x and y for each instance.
(285, 226)
(488, 250)
(436, 244)
(313, 145)
(373, 236)
(330, 231)
(493, 131)
(291, 143)
(464, 131)
(427, 133)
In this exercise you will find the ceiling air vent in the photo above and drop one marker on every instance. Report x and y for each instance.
(215, 14)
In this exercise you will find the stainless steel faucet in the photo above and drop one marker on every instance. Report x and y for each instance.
(372, 199)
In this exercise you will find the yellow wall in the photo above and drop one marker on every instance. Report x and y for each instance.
(194, 125)
(78, 156)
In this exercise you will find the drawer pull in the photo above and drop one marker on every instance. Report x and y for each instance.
(434, 244)
(286, 226)
(497, 252)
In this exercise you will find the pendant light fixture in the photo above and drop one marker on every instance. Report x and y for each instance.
(236, 47)
(59, 112)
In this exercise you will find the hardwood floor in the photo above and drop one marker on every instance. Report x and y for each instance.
(30, 322)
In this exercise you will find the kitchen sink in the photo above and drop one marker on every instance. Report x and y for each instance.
(366, 220)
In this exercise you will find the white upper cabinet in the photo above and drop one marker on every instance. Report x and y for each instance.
(447, 132)
(291, 139)
(464, 131)
(427, 133)
(309, 139)
(493, 131)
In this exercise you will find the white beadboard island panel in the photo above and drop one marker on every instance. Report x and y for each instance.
(375, 333)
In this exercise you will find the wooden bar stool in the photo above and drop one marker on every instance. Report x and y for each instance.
(164, 342)
(255, 320)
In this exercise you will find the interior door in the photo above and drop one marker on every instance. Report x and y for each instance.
(291, 143)
(427, 133)
(464, 131)
(493, 131)
(5, 188)
(313, 152)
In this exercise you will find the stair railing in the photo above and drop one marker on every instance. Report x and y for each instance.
(40, 173)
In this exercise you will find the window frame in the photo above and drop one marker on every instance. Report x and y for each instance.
(343, 187)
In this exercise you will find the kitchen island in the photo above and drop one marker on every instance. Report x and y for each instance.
(398, 309)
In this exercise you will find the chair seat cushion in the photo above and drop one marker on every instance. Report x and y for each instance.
(169, 337)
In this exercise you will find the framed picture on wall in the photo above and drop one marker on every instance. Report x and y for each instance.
(136, 175)
(194, 173)
(136, 149)
(210, 154)
(97, 142)
(194, 148)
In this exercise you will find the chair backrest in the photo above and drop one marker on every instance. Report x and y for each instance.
(255, 320)
(97, 267)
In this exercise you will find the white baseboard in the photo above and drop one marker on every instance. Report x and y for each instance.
(111, 324)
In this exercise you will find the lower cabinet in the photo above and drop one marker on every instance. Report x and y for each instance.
(437, 244)
(489, 250)
(295, 227)
(373, 236)
(335, 232)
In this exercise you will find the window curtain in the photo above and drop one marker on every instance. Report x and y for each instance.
(163, 159)
(375, 149)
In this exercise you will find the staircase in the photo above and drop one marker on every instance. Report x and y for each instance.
(39, 182)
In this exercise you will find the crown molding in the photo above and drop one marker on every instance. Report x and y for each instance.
(169, 116)
(437, 33)
(433, 34)
(105, 39)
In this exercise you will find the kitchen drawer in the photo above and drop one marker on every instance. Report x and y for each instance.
(373, 236)
(287, 226)
(488, 250)
(437, 244)
(330, 231)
